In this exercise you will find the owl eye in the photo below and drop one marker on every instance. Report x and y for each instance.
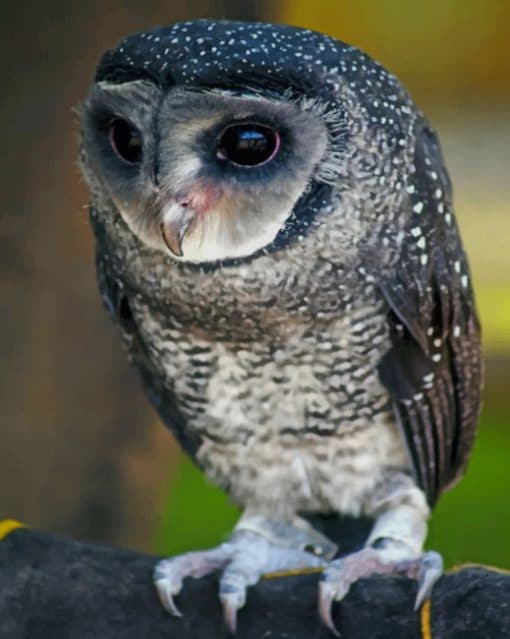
(248, 144)
(126, 141)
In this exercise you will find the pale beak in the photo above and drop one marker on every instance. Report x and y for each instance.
(177, 222)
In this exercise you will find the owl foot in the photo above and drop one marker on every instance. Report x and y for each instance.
(389, 557)
(243, 560)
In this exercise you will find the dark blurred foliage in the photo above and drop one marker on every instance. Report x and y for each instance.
(80, 450)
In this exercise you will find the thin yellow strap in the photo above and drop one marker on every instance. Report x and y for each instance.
(426, 629)
(7, 526)
(278, 574)
(459, 567)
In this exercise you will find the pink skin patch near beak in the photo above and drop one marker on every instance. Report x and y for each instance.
(189, 207)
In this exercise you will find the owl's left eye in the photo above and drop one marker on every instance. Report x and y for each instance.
(248, 144)
(126, 141)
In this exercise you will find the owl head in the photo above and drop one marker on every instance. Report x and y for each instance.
(213, 140)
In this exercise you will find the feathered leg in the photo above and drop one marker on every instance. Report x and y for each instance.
(395, 545)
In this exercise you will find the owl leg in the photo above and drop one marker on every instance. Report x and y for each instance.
(258, 546)
(394, 546)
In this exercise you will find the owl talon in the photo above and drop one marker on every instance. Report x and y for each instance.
(327, 593)
(168, 574)
(233, 584)
(166, 596)
(230, 608)
(388, 559)
(244, 559)
(431, 568)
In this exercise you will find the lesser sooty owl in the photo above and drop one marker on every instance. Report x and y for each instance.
(276, 240)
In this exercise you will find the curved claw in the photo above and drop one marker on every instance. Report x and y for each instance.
(166, 596)
(230, 608)
(327, 594)
(244, 558)
(232, 596)
(430, 570)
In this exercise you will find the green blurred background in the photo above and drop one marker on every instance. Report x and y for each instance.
(81, 452)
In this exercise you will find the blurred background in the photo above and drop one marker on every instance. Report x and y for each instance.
(81, 452)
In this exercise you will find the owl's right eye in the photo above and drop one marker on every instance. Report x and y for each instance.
(126, 141)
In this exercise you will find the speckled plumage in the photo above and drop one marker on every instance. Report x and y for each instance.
(319, 369)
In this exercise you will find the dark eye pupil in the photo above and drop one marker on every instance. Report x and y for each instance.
(248, 144)
(126, 141)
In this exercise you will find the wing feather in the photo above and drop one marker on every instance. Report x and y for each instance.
(433, 369)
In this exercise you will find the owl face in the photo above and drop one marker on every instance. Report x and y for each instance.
(218, 141)
(202, 174)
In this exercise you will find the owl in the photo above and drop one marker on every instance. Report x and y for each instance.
(275, 239)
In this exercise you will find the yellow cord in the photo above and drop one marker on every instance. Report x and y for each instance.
(293, 573)
(426, 630)
(7, 526)
(460, 567)
(316, 570)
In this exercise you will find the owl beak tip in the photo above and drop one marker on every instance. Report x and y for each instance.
(172, 240)
(173, 233)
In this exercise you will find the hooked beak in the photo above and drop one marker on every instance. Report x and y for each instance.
(182, 212)
(178, 220)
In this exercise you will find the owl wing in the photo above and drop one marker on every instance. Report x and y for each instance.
(433, 369)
